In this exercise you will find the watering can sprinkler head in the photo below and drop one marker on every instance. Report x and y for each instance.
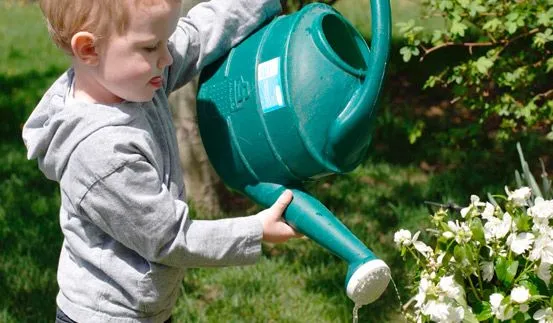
(368, 281)
(295, 101)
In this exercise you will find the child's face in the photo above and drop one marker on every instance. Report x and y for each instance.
(130, 65)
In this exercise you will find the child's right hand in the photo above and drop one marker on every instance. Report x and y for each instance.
(274, 228)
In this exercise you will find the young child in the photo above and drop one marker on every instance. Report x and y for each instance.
(104, 132)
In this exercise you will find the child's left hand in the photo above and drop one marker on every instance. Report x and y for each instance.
(274, 228)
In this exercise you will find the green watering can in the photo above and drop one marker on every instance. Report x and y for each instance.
(295, 101)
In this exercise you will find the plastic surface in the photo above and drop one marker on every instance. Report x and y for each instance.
(295, 101)
(368, 282)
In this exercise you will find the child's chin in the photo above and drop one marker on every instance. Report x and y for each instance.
(140, 99)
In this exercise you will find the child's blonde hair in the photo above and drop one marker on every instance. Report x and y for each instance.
(100, 17)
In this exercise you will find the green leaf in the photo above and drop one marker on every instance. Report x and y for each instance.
(519, 318)
(469, 318)
(506, 270)
(406, 53)
(431, 81)
(492, 25)
(550, 64)
(416, 131)
(523, 223)
(511, 27)
(458, 28)
(482, 310)
(459, 253)
(542, 38)
(544, 18)
(475, 8)
(483, 64)
(437, 37)
(445, 5)
(477, 230)
(405, 27)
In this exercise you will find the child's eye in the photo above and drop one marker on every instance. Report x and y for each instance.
(151, 48)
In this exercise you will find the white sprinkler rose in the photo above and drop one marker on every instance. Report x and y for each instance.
(521, 242)
(544, 272)
(488, 211)
(543, 249)
(487, 270)
(520, 294)
(519, 196)
(425, 286)
(461, 232)
(474, 203)
(442, 312)
(499, 310)
(449, 287)
(544, 315)
(542, 209)
(421, 247)
(403, 237)
(497, 228)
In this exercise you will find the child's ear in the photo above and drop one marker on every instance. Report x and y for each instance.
(83, 45)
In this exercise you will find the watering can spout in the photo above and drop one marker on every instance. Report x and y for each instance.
(350, 134)
(367, 276)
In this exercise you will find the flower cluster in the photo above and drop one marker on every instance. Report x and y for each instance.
(488, 262)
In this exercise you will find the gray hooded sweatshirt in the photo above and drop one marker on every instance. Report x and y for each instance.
(127, 234)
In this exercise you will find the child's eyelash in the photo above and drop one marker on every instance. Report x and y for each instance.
(151, 48)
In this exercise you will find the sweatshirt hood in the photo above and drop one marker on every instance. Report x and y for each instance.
(56, 128)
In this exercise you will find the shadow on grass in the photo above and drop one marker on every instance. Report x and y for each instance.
(20, 94)
(30, 238)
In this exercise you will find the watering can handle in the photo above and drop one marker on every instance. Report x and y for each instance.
(351, 125)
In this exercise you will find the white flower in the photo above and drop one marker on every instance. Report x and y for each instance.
(487, 270)
(403, 237)
(497, 228)
(488, 211)
(449, 287)
(424, 286)
(523, 308)
(544, 315)
(421, 247)
(541, 226)
(544, 272)
(543, 249)
(443, 312)
(542, 209)
(521, 242)
(520, 294)
(519, 196)
(499, 310)
(474, 203)
(462, 232)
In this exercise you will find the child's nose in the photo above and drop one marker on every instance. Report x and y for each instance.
(166, 59)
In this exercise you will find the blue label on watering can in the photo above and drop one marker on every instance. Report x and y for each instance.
(270, 85)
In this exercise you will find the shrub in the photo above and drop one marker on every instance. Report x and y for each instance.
(506, 76)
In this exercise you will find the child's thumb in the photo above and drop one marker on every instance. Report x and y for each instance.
(282, 202)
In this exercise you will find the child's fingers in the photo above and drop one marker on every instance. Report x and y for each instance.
(283, 200)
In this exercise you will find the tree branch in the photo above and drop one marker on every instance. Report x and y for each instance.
(470, 45)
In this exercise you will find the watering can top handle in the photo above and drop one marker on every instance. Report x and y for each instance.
(360, 111)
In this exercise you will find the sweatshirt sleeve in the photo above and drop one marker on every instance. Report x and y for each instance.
(209, 30)
(134, 207)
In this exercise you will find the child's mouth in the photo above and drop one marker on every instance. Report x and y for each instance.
(156, 82)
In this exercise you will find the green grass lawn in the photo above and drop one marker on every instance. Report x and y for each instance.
(293, 282)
